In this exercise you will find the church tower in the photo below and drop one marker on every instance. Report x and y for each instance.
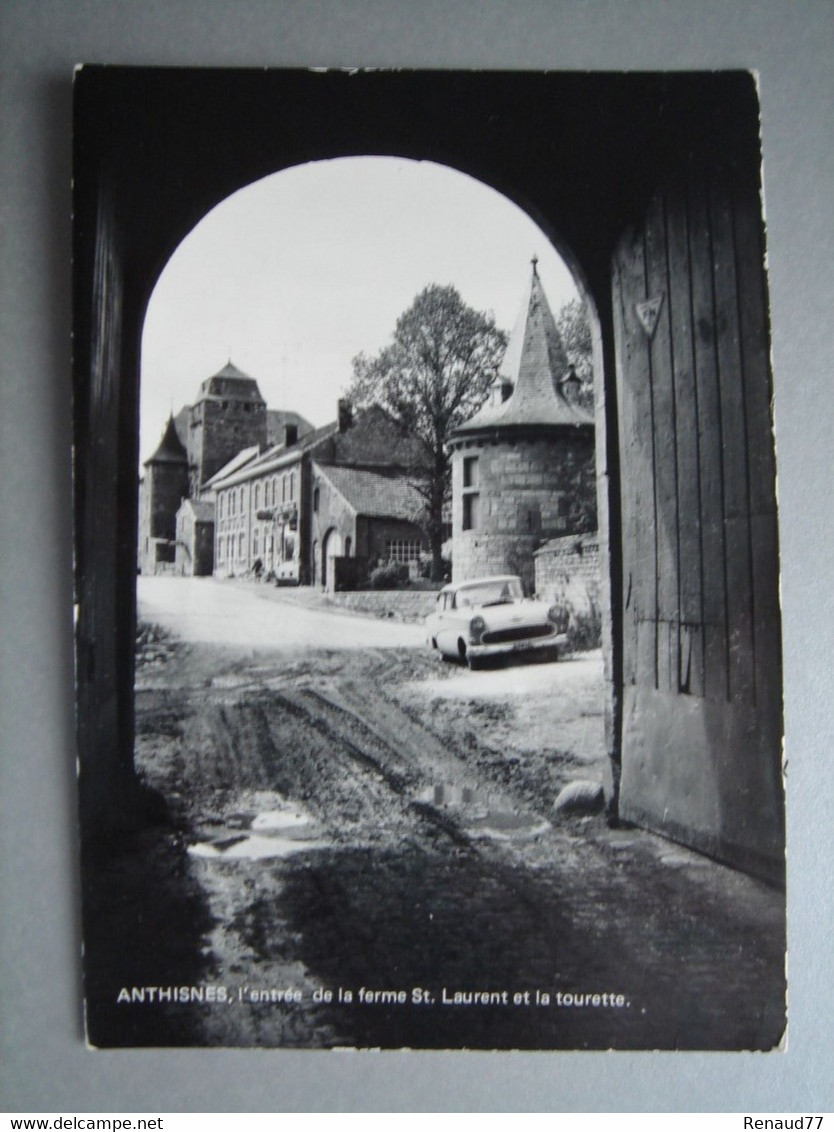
(228, 416)
(523, 467)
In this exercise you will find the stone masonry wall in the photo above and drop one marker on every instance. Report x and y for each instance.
(529, 491)
(568, 573)
(399, 605)
(218, 430)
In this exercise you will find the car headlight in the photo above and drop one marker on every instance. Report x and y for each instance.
(559, 617)
(476, 628)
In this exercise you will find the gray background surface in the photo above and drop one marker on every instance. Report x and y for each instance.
(45, 1065)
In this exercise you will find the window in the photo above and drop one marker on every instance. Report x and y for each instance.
(316, 499)
(403, 550)
(240, 545)
(471, 511)
(283, 489)
(255, 542)
(292, 485)
(471, 498)
(348, 544)
(257, 496)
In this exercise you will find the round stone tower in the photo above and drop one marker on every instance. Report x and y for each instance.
(523, 466)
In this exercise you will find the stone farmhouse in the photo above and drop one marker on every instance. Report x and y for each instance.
(228, 416)
(523, 469)
(235, 488)
(360, 517)
(320, 509)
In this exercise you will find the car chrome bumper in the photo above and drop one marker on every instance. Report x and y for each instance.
(531, 644)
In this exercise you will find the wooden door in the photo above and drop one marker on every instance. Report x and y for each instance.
(701, 739)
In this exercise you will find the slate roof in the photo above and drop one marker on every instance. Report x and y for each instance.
(170, 449)
(278, 419)
(231, 383)
(374, 494)
(535, 363)
(203, 512)
(273, 458)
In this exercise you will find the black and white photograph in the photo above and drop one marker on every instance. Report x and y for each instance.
(428, 642)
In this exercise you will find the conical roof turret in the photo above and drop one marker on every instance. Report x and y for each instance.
(535, 365)
(170, 449)
(231, 383)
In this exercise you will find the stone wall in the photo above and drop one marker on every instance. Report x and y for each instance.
(398, 605)
(568, 573)
(528, 490)
(195, 544)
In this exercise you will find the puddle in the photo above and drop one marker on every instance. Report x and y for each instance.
(259, 835)
(679, 860)
(484, 816)
(255, 847)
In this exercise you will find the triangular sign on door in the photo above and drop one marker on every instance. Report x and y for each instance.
(649, 313)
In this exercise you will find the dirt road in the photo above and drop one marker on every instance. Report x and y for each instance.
(364, 853)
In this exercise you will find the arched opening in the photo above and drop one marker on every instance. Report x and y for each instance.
(626, 157)
(331, 549)
(446, 225)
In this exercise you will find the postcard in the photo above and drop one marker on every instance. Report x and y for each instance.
(428, 641)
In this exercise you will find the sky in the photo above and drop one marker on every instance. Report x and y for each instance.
(294, 275)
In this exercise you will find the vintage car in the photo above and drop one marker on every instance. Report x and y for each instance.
(488, 617)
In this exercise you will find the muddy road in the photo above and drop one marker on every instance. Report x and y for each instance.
(361, 850)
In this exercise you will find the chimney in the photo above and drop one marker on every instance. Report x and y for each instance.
(345, 414)
(290, 435)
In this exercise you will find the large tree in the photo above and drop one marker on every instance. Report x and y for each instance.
(575, 330)
(434, 374)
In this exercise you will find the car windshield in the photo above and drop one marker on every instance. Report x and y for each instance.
(499, 592)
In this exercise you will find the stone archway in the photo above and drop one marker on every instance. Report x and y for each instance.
(156, 149)
(331, 549)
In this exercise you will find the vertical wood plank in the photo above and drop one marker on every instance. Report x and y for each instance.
(626, 428)
(637, 476)
(753, 319)
(734, 439)
(710, 448)
(690, 673)
(665, 447)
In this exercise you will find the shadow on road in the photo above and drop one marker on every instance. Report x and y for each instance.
(465, 923)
